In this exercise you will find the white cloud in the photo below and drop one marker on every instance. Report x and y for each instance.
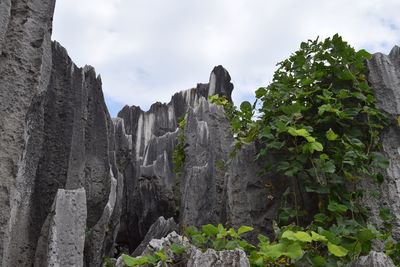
(147, 50)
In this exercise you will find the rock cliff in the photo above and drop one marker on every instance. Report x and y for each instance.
(56, 133)
(76, 185)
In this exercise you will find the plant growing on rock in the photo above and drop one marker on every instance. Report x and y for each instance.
(178, 156)
(319, 121)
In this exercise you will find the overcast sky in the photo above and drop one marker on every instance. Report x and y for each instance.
(145, 50)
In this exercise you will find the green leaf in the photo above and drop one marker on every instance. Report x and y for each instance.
(329, 167)
(294, 251)
(324, 108)
(288, 234)
(329, 235)
(219, 244)
(298, 132)
(303, 236)
(244, 229)
(231, 245)
(365, 235)
(210, 229)
(222, 232)
(314, 146)
(161, 254)
(318, 261)
(331, 135)
(191, 231)
(363, 54)
(274, 251)
(263, 239)
(233, 233)
(310, 139)
(320, 217)
(297, 236)
(246, 106)
(152, 259)
(317, 237)
(338, 251)
(129, 261)
(178, 249)
(260, 92)
(317, 146)
(386, 214)
(336, 207)
(379, 160)
(199, 240)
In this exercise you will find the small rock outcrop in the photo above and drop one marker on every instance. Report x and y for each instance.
(194, 257)
(161, 228)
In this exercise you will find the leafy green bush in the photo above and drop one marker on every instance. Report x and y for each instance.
(319, 121)
(151, 259)
(218, 237)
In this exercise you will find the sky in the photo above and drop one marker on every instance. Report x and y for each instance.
(146, 50)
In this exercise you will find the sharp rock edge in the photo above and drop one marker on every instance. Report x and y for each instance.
(64, 162)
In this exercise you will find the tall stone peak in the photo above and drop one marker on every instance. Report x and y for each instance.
(220, 82)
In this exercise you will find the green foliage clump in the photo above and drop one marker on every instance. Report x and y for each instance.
(151, 259)
(178, 156)
(319, 121)
(218, 237)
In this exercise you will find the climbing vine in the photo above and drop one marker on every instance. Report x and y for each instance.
(178, 156)
(318, 120)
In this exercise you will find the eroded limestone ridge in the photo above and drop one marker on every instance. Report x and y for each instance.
(76, 185)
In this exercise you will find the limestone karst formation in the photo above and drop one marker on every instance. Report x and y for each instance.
(76, 185)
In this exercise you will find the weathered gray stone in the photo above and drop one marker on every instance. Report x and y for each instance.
(194, 257)
(374, 259)
(146, 141)
(25, 62)
(5, 10)
(62, 238)
(95, 237)
(208, 142)
(212, 258)
(55, 132)
(253, 197)
(384, 76)
(159, 229)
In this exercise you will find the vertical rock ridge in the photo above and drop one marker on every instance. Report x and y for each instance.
(384, 77)
(147, 163)
(25, 29)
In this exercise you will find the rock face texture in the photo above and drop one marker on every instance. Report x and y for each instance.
(374, 259)
(56, 133)
(193, 257)
(159, 229)
(76, 185)
(385, 79)
(63, 241)
(145, 142)
(25, 63)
